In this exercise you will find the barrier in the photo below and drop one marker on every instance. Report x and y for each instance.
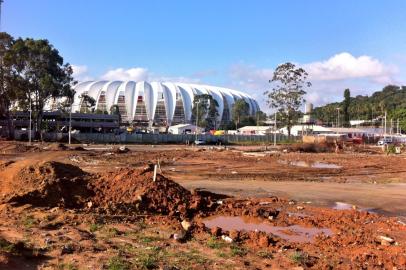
(175, 138)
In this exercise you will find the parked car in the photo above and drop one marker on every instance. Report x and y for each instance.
(200, 142)
(385, 141)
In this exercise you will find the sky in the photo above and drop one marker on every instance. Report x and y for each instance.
(360, 45)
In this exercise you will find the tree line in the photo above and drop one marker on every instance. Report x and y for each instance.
(32, 72)
(390, 100)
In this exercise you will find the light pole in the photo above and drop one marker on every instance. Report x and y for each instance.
(197, 117)
(274, 132)
(29, 128)
(70, 123)
(338, 117)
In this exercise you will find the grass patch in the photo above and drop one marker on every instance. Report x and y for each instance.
(264, 254)
(66, 266)
(95, 227)
(118, 263)
(299, 257)
(238, 251)
(213, 243)
(29, 221)
(6, 246)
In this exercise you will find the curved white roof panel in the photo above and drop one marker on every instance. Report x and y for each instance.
(147, 94)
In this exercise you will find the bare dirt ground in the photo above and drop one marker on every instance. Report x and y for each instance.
(97, 207)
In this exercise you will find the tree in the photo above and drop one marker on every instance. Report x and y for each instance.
(206, 107)
(41, 71)
(346, 106)
(115, 110)
(287, 94)
(87, 103)
(6, 80)
(239, 110)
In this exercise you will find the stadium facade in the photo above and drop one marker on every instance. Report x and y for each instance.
(157, 103)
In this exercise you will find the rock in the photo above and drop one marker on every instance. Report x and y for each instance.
(215, 231)
(180, 236)
(186, 225)
(299, 207)
(385, 240)
(67, 249)
(291, 202)
(227, 238)
(89, 204)
(234, 172)
(52, 210)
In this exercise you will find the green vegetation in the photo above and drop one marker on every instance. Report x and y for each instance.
(237, 250)
(287, 94)
(205, 107)
(265, 254)
(299, 257)
(118, 263)
(213, 243)
(6, 246)
(95, 227)
(66, 266)
(29, 221)
(31, 73)
(391, 99)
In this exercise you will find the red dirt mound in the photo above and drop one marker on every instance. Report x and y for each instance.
(134, 190)
(50, 184)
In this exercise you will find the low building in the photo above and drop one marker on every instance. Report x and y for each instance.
(184, 129)
(298, 130)
(255, 130)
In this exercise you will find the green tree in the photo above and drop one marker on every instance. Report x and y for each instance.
(287, 94)
(115, 110)
(42, 73)
(87, 103)
(205, 107)
(346, 106)
(239, 110)
(7, 86)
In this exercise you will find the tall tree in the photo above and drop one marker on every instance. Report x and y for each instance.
(239, 110)
(346, 106)
(7, 89)
(87, 103)
(287, 94)
(40, 68)
(205, 108)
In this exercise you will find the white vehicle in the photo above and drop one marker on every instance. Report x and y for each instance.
(200, 142)
(385, 141)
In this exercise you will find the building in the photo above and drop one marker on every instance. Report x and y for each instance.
(156, 103)
(183, 129)
(298, 130)
(255, 130)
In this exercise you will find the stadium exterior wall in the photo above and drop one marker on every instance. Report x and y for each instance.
(170, 103)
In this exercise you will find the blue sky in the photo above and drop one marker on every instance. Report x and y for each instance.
(356, 44)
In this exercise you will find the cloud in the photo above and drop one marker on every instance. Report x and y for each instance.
(362, 74)
(80, 73)
(132, 74)
(344, 66)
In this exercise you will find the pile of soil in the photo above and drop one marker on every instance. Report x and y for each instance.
(312, 147)
(50, 184)
(132, 190)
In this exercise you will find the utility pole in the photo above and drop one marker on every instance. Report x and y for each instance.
(70, 123)
(385, 125)
(274, 133)
(29, 128)
(197, 117)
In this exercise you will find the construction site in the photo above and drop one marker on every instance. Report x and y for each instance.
(296, 206)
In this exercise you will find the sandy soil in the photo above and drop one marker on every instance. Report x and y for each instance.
(63, 208)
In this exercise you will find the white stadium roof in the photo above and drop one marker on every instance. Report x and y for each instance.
(168, 93)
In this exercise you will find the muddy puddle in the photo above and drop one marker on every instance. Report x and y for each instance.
(293, 233)
(347, 206)
(316, 165)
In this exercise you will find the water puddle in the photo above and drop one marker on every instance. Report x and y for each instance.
(294, 233)
(347, 206)
(317, 165)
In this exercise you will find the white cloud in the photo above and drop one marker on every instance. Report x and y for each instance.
(80, 73)
(132, 74)
(362, 74)
(346, 66)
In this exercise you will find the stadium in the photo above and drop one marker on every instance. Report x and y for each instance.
(157, 103)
